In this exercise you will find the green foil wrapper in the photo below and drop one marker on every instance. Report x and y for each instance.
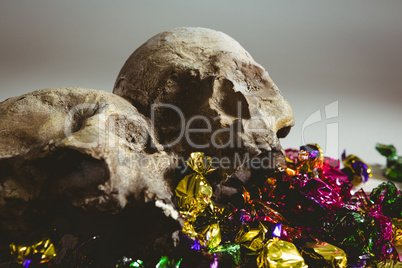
(386, 195)
(278, 253)
(352, 231)
(393, 170)
(125, 262)
(228, 251)
(165, 262)
(385, 192)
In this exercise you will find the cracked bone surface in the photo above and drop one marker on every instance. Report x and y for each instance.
(97, 140)
(217, 88)
(86, 148)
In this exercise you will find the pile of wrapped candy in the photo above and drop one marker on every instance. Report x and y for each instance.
(303, 213)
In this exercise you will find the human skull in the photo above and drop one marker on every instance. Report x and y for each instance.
(94, 141)
(196, 78)
(83, 156)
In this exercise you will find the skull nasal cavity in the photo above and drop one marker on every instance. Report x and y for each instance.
(283, 132)
(231, 102)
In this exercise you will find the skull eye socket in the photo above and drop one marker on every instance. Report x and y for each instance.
(231, 102)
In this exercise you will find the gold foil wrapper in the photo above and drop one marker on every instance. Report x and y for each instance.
(397, 231)
(398, 237)
(200, 163)
(194, 192)
(207, 233)
(251, 238)
(321, 158)
(24, 252)
(330, 253)
(210, 235)
(278, 253)
(389, 264)
(193, 198)
(188, 229)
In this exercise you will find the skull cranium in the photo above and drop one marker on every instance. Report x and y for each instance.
(208, 79)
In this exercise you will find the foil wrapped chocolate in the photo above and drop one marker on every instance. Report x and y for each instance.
(397, 232)
(164, 262)
(393, 169)
(278, 254)
(38, 253)
(193, 192)
(351, 231)
(389, 264)
(200, 216)
(386, 192)
(229, 252)
(338, 181)
(388, 198)
(361, 230)
(322, 254)
(209, 235)
(306, 199)
(356, 169)
(251, 236)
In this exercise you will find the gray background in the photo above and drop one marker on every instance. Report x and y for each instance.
(317, 52)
